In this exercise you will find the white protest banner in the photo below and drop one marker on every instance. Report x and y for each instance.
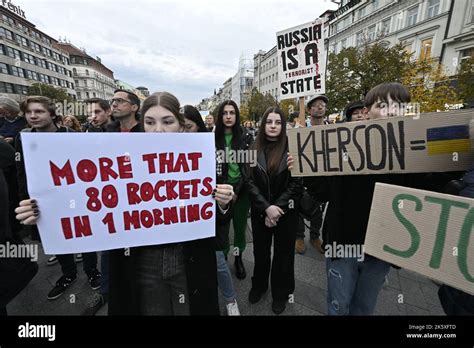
(431, 142)
(301, 60)
(101, 191)
(426, 232)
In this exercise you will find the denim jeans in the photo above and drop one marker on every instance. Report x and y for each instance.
(224, 278)
(353, 286)
(69, 267)
(104, 270)
(161, 280)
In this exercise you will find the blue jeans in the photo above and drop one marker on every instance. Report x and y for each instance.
(353, 286)
(224, 278)
(104, 270)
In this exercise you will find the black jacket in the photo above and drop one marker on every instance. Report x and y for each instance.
(115, 127)
(350, 200)
(7, 160)
(201, 274)
(277, 190)
(246, 141)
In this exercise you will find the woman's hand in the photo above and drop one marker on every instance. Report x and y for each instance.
(223, 194)
(28, 212)
(274, 213)
(289, 162)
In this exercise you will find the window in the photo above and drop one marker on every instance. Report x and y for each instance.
(31, 75)
(343, 43)
(433, 8)
(472, 12)
(6, 33)
(79, 95)
(375, 4)
(19, 89)
(359, 38)
(3, 68)
(386, 26)
(13, 53)
(87, 72)
(362, 12)
(408, 48)
(371, 33)
(425, 50)
(412, 16)
(6, 87)
(467, 53)
(17, 71)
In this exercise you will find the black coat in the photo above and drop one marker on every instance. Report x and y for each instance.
(114, 127)
(246, 141)
(278, 190)
(201, 274)
(7, 160)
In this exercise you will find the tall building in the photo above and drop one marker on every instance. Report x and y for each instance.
(92, 78)
(420, 25)
(143, 91)
(242, 81)
(28, 55)
(266, 72)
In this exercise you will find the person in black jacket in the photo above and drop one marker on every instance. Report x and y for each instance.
(40, 113)
(99, 113)
(273, 193)
(231, 137)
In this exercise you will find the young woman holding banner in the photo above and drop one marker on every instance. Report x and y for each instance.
(171, 279)
(273, 193)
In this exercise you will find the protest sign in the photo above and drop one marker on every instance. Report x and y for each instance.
(301, 60)
(426, 232)
(101, 191)
(432, 142)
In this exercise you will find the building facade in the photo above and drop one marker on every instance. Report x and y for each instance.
(242, 81)
(92, 79)
(420, 25)
(27, 56)
(266, 72)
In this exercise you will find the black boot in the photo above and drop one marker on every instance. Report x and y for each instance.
(240, 272)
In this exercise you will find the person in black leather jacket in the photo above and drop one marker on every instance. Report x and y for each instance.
(273, 193)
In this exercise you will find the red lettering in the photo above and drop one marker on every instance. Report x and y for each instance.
(110, 196)
(125, 167)
(195, 183)
(166, 164)
(206, 213)
(170, 192)
(146, 191)
(106, 170)
(183, 189)
(193, 212)
(170, 215)
(66, 225)
(132, 196)
(64, 172)
(131, 219)
(109, 221)
(207, 185)
(146, 218)
(157, 216)
(181, 164)
(82, 225)
(194, 157)
(93, 203)
(182, 213)
(159, 185)
(86, 170)
(150, 158)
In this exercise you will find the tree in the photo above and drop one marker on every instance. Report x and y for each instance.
(429, 85)
(244, 112)
(288, 106)
(465, 80)
(356, 70)
(58, 95)
(259, 103)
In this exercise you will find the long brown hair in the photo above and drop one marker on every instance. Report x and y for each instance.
(166, 100)
(278, 147)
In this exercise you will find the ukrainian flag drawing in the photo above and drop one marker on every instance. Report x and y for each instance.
(444, 140)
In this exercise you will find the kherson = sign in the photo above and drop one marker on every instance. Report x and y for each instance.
(431, 143)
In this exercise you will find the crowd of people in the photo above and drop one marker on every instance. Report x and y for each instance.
(185, 278)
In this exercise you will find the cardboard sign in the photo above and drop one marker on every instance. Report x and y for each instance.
(99, 191)
(426, 232)
(301, 60)
(431, 142)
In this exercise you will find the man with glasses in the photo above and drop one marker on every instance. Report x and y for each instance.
(317, 110)
(125, 106)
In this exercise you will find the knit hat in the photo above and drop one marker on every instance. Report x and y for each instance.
(9, 103)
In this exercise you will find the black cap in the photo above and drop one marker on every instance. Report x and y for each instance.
(322, 97)
(351, 107)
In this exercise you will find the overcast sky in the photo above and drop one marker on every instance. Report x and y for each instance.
(186, 47)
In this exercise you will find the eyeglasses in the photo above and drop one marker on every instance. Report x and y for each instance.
(118, 101)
